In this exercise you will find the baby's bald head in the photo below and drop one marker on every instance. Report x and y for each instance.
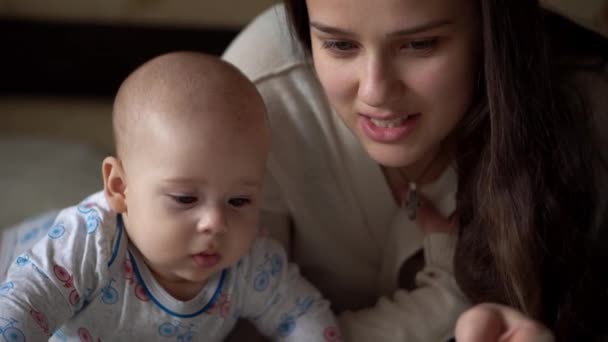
(192, 141)
(186, 95)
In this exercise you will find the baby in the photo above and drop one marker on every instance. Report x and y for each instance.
(170, 249)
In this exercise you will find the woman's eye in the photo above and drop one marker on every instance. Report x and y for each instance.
(184, 199)
(338, 45)
(239, 202)
(425, 44)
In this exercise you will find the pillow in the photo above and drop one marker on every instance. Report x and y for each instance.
(38, 175)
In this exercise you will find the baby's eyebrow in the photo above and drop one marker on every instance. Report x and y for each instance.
(181, 180)
(250, 183)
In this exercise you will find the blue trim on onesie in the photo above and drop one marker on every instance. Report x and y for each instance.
(214, 298)
(120, 226)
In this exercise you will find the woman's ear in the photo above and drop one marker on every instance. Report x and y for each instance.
(114, 184)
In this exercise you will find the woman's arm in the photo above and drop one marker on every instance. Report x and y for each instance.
(426, 313)
(486, 322)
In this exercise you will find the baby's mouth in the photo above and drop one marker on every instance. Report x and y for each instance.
(206, 259)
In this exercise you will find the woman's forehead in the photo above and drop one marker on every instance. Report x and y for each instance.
(392, 15)
(390, 19)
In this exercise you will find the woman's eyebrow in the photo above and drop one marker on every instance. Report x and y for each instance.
(403, 32)
(421, 28)
(330, 29)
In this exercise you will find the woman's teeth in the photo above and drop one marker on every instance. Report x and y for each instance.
(388, 123)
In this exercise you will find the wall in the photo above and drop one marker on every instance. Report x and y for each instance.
(219, 13)
(592, 14)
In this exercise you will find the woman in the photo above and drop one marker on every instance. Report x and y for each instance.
(385, 102)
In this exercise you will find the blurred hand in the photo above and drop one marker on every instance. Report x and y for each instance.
(484, 322)
(498, 323)
(431, 221)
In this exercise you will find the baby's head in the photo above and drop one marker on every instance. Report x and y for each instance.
(192, 141)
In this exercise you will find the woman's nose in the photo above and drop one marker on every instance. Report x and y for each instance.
(213, 221)
(378, 82)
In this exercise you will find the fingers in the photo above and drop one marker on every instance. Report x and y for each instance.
(530, 332)
(493, 322)
(479, 324)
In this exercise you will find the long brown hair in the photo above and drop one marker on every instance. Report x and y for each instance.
(526, 194)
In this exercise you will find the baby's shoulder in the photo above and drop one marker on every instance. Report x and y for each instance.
(265, 255)
(92, 217)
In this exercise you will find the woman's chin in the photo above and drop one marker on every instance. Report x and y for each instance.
(390, 156)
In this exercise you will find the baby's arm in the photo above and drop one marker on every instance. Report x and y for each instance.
(280, 302)
(32, 305)
(48, 284)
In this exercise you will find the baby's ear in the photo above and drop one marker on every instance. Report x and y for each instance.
(114, 184)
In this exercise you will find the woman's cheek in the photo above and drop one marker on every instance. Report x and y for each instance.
(336, 79)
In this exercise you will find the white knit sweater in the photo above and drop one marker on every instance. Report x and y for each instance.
(349, 236)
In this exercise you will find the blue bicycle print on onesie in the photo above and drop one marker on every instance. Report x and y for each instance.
(289, 320)
(41, 226)
(24, 260)
(91, 216)
(271, 267)
(6, 287)
(9, 332)
(182, 333)
(56, 231)
(109, 295)
(29, 236)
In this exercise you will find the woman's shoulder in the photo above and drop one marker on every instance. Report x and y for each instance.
(267, 53)
(265, 47)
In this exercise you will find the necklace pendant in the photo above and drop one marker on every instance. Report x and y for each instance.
(411, 205)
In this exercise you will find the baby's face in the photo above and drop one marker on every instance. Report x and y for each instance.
(193, 200)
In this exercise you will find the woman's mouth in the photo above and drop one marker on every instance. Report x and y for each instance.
(389, 123)
(386, 130)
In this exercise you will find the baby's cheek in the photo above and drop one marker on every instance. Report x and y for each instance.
(242, 242)
(166, 242)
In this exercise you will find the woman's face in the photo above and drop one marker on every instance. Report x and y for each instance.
(400, 73)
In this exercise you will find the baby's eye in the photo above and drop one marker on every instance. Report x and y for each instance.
(184, 199)
(239, 202)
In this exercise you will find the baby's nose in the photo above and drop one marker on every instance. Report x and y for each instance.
(213, 222)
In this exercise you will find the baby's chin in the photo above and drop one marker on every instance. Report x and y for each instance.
(184, 286)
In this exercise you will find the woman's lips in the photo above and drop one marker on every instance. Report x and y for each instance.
(206, 259)
(388, 130)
